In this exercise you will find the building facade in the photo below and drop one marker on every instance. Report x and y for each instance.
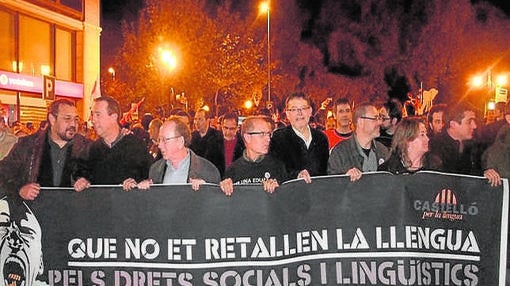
(49, 49)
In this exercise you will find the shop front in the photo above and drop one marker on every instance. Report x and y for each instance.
(22, 97)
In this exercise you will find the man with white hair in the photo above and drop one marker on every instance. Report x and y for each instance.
(179, 164)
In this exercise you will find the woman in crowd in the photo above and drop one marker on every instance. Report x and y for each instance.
(409, 149)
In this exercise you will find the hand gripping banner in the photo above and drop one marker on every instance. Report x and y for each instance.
(422, 229)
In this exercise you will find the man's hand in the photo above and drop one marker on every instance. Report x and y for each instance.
(195, 183)
(305, 176)
(81, 184)
(30, 191)
(355, 174)
(493, 177)
(270, 185)
(227, 186)
(145, 185)
(129, 184)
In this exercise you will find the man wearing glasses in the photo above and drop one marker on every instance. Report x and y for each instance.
(179, 164)
(391, 113)
(233, 145)
(360, 153)
(48, 157)
(255, 167)
(304, 150)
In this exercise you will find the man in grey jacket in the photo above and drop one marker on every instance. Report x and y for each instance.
(360, 153)
(179, 163)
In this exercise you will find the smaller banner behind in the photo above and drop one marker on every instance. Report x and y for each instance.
(423, 229)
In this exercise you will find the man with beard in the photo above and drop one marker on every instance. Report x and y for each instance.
(48, 157)
(360, 153)
(21, 257)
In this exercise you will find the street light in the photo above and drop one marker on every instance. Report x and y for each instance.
(248, 104)
(112, 72)
(477, 81)
(168, 58)
(265, 8)
(496, 88)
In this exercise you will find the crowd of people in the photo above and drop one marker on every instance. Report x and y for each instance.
(182, 149)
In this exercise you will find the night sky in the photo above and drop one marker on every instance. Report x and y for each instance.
(113, 11)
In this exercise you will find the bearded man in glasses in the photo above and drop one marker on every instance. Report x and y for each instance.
(360, 153)
(255, 167)
(303, 149)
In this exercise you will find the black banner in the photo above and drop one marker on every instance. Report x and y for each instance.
(422, 229)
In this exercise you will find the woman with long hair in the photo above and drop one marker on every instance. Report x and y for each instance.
(409, 149)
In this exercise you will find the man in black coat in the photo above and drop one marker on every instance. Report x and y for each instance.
(206, 141)
(304, 150)
(114, 157)
(456, 147)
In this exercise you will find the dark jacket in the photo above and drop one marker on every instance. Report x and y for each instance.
(199, 168)
(30, 161)
(447, 149)
(127, 158)
(245, 172)
(210, 147)
(394, 164)
(288, 147)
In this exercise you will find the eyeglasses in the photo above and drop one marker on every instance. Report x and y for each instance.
(260, 134)
(296, 110)
(229, 128)
(69, 119)
(375, 118)
(167, 139)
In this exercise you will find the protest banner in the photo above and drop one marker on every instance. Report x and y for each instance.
(422, 229)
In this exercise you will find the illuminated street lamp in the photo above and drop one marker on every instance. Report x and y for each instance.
(168, 58)
(265, 8)
(496, 88)
(501, 80)
(112, 72)
(477, 81)
(248, 104)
